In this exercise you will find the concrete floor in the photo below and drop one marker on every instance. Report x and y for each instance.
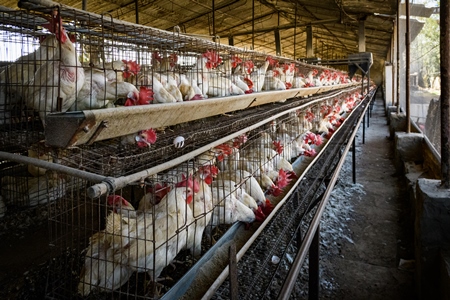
(369, 267)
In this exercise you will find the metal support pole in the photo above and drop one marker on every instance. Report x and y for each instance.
(277, 42)
(354, 159)
(364, 128)
(407, 62)
(361, 37)
(213, 9)
(309, 42)
(295, 31)
(397, 103)
(253, 25)
(136, 10)
(362, 83)
(231, 40)
(445, 92)
(314, 251)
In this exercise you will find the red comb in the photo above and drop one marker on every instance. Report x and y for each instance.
(259, 214)
(130, 67)
(213, 59)
(268, 208)
(282, 179)
(278, 146)
(145, 138)
(318, 141)
(239, 140)
(145, 95)
(275, 190)
(156, 56)
(235, 60)
(55, 26)
(151, 135)
(115, 199)
(273, 62)
(249, 65)
(310, 137)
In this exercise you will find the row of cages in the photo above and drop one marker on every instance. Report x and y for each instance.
(141, 240)
(57, 59)
(78, 68)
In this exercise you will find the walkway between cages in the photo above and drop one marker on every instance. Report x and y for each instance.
(366, 265)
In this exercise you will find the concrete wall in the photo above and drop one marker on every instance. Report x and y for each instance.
(430, 210)
(377, 72)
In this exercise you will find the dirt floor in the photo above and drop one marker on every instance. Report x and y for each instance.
(374, 261)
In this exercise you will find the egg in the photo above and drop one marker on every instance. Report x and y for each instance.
(178, 142)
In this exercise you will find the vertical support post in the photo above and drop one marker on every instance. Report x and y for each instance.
(362, 83)
(368, 89)
(314, 266)
(233, 273)
(309, 42)
(407, 61)
(364, 129)
(231, 40)
(136, 10)
(361, 37)
(398, 58)
(354, 159)
(277, 42)
(84, 5)
(445, 92)
(322, 51)
(295, 31)
(213, 9)
(253, 24)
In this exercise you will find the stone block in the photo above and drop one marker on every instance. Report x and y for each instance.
(444, 282)
(389, 111)
(431, 234)
(407, 148)
(397, 122)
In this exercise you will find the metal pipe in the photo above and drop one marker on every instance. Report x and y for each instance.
(112, 184)
(445, 92)
(354, 158)
(52, 166)
(407, 66)
(289, 284)
(364, 130)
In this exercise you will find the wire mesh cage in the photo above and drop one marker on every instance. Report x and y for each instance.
(88, 81)
(118, 245)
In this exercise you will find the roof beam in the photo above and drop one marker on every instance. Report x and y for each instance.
(286, 26)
